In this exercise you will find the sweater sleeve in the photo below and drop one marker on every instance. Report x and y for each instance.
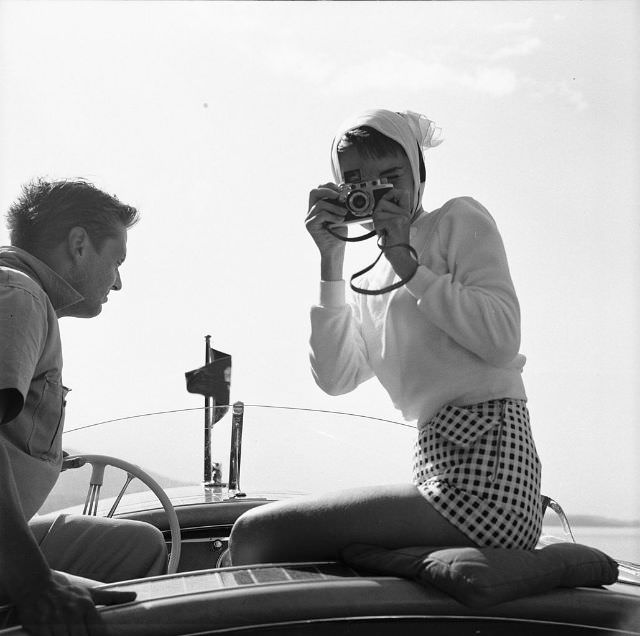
(339, 361)
(474, 302)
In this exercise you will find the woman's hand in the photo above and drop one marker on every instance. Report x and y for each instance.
(324, 210)
(392, 222)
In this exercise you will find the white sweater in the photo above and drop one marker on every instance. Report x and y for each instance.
(450, 336)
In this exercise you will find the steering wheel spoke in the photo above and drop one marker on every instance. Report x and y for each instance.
(98, 465)
(129, 479)
(91, 502)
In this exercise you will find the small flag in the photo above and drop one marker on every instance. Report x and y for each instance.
(213, 380)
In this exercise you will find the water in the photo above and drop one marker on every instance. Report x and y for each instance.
(619, 542)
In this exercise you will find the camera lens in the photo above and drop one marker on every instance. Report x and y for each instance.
(358, 203)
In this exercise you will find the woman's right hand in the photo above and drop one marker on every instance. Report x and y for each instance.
(324, 210)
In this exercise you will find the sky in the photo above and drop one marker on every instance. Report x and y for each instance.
(215, 119)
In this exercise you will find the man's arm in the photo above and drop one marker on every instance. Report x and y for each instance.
(10, 404)
(42, 597)
(22, 566)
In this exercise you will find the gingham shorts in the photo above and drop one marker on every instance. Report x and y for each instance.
(492, 497)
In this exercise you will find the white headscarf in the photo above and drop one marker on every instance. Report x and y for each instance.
(415, 133)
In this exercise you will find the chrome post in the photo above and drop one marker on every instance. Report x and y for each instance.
(236, 448)
(557, 508)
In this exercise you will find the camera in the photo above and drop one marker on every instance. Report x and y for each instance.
(361, 198)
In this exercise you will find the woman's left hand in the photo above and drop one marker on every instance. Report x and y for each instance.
(392, 222)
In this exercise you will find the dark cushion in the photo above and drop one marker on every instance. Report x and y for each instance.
(480, 577)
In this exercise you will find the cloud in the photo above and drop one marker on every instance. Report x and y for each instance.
(493, 81)
(572, 95)
(394, 70)
(562, 90)
(524, 47)
(495, 73)
(284, 60)
(510, 27)
(397, 70)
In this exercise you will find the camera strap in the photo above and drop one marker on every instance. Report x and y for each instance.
(388, 288)
(349, 239)
(368, 268)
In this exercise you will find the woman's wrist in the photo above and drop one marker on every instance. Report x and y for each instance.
(331, 266)
(400, 258)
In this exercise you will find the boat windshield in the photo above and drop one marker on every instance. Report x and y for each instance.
(286, 451)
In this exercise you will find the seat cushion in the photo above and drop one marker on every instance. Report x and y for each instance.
(480, 577)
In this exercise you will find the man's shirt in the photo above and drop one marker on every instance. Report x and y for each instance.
(31, 295)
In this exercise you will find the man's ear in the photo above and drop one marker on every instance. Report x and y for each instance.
(77, 243)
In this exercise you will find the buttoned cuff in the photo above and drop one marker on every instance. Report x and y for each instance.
(332, 293)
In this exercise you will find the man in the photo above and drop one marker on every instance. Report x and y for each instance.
(68, 241)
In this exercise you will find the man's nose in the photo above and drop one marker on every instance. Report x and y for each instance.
(117, 285)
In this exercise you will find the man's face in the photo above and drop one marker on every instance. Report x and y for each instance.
(96, 273)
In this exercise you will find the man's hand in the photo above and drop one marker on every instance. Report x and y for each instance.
(324, 211)
(392, 222)
(64, 608)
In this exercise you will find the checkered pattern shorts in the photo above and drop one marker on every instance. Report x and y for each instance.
(492, 496)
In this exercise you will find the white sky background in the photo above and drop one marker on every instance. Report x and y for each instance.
(215, 119)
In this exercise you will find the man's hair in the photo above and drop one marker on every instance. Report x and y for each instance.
(41, 218)
(369, 143)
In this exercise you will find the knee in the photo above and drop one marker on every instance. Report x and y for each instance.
(244, 539)
(148, 545)
(146, 535)
(253, 537)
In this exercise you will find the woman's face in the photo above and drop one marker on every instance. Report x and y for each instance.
(395, 168)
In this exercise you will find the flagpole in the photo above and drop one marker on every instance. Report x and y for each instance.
(209, 406)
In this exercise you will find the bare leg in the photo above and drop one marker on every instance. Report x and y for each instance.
(318, 527)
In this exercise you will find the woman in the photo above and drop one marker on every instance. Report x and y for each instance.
(443, 341)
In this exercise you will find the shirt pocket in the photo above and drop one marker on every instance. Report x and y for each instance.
(48, 420)
(461, 427)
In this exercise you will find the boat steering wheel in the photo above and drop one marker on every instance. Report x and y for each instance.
(98, 464)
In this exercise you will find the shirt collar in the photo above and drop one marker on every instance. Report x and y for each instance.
(60, 292)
